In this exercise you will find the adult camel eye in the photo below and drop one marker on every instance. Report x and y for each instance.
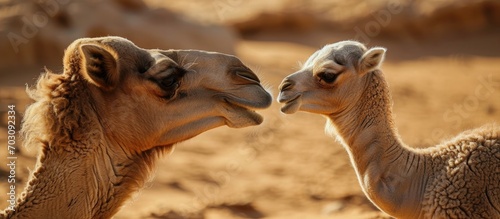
(168, 82)
(172, 78)
(327, 78)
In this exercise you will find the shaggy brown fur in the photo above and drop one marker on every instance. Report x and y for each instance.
(102, 124)
(457, 179)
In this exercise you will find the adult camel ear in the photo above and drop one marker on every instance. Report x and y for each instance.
(371, 60)
(99, 65)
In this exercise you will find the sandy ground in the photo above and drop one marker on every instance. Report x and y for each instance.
(287, 167)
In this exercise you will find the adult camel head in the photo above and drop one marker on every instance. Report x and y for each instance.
(165, 96)
(103, 122)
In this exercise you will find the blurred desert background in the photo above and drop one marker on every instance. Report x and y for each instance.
(442, 64)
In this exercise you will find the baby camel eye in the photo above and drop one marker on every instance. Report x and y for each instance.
(327, 77)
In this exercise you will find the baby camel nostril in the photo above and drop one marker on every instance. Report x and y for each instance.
(286, 85)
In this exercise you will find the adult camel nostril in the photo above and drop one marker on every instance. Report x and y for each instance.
(248, 75)
(286, 85)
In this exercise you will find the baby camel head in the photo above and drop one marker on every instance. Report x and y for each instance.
(151, 98)
(331, 80)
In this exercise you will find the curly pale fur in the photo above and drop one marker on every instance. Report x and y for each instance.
(464, 180)
(456, 179)
(460, 176)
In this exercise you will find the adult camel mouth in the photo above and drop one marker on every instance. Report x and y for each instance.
(242, 111)
(246, 116)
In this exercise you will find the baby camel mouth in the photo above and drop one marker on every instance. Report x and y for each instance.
(290, 104)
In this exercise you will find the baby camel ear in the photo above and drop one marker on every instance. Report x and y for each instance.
(371, 60)
(99, 65)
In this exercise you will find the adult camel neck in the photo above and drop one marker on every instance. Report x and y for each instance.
(81, 172)
(94, 184)
(389, 173)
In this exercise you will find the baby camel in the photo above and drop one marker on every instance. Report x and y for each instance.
(115, 109)
(456, 179)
